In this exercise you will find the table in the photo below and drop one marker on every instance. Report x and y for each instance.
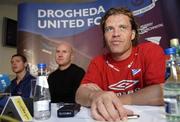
(147, 114)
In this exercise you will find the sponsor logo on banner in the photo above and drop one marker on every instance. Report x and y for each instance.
(155, 39)
(144, 9)
(137, 2)
(149, 27)
(123, 84)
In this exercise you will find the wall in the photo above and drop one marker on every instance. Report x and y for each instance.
(10, 11)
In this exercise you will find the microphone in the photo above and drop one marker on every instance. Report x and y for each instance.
(4, 82)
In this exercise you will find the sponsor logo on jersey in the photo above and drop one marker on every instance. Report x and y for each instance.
(135, 71)
(127, 92)
(123, 84)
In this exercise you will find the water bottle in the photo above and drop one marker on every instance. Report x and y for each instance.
(41, 99)
(170, 56)
(172, 88)
(175, 43)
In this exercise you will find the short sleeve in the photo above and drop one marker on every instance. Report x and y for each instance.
(154, 65)
(93, 74)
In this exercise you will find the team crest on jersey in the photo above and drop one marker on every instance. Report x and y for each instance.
(135, 71)
(123, 85)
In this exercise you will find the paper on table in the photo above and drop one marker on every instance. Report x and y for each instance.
(86, 114)
(139, 109)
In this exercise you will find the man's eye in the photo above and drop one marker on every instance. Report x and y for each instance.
(108, 29)
(122, 27)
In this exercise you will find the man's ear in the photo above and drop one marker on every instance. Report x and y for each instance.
(72, 56)
(133, 35)
(25, 64)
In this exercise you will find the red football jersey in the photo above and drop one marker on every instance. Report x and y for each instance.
(145, 66)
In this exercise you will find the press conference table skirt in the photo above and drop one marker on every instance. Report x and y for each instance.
(147, 114)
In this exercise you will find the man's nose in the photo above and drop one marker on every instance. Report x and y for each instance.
(13, 63)
(60, 55)
(116, 32)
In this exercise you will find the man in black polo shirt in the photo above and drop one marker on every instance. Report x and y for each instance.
(65, 80)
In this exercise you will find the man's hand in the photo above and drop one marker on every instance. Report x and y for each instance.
(106, 106)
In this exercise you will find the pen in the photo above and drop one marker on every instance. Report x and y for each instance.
(134, 116)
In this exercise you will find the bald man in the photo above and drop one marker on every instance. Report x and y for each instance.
(65, 80)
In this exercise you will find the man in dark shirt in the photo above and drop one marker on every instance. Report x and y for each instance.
(64, 81)
(21, 85)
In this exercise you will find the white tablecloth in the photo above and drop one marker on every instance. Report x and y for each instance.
(147, 114)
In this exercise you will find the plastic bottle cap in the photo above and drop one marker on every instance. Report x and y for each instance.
(42, 65)
(169, 51)
(174, 42)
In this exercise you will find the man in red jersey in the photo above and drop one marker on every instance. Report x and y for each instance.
(127, 74)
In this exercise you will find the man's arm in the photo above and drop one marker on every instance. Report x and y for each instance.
(105, 105)
(151, 95)
(85, 92)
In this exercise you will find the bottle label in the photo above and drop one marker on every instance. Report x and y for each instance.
(42, 81)
(171, 106)
(42, 105)
(168, 72)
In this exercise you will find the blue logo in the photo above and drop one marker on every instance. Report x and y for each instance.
(135, 71)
